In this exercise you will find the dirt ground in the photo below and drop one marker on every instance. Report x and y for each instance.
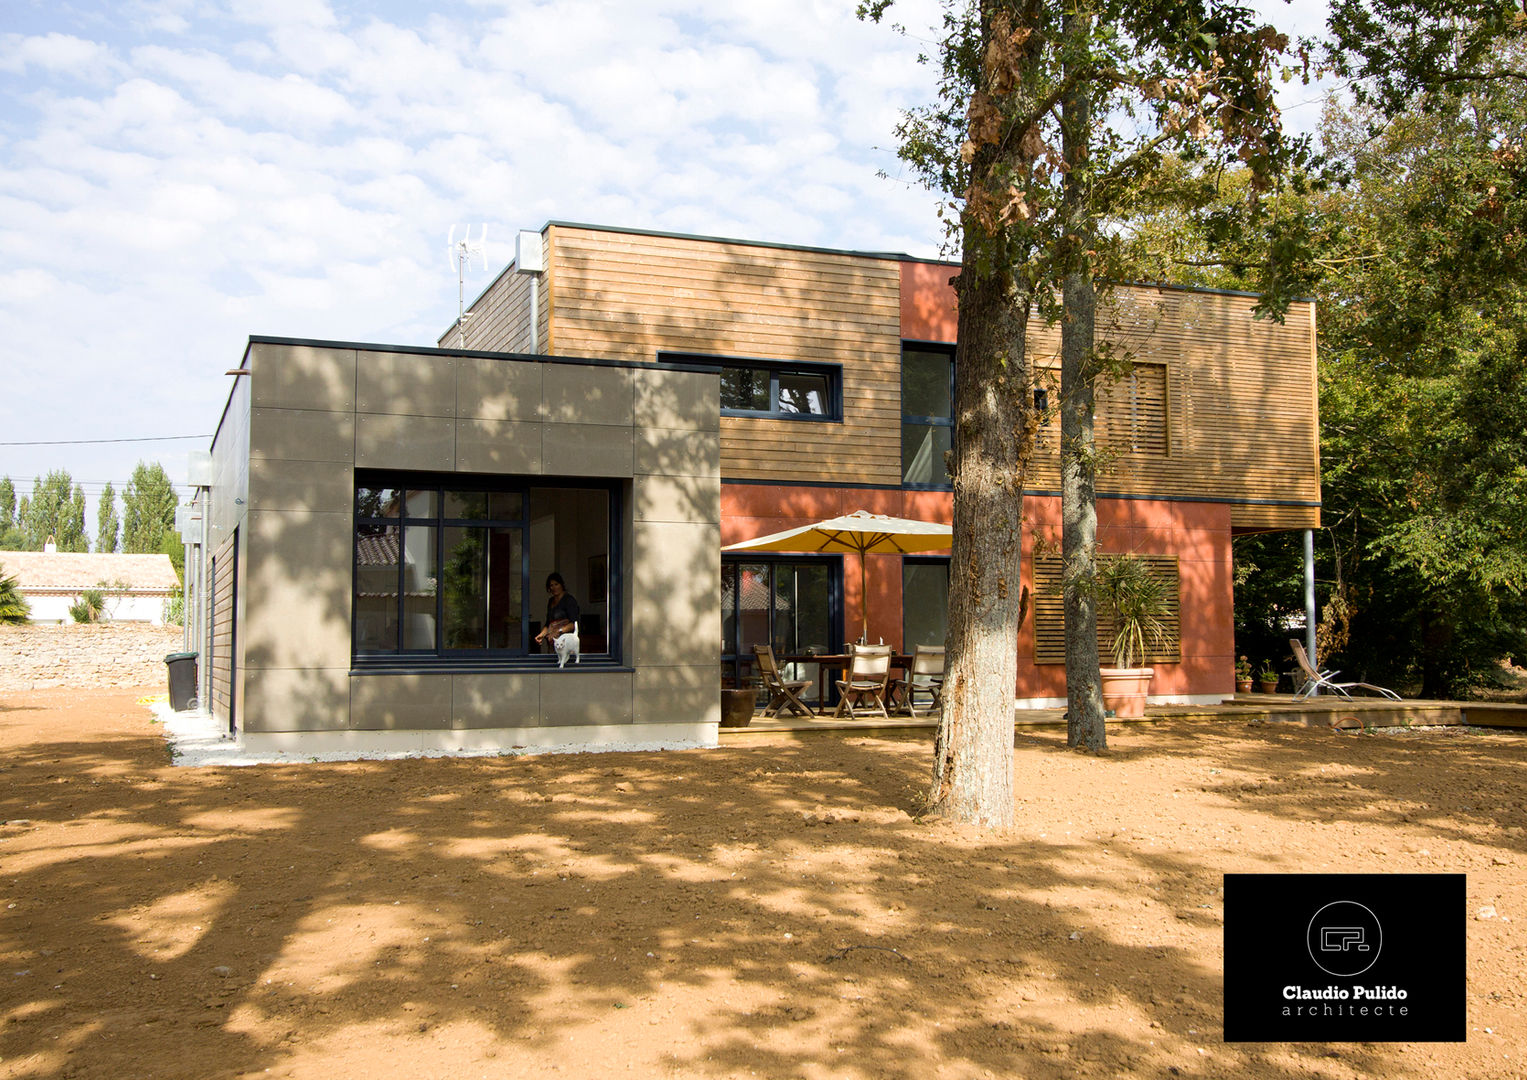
(768, 909)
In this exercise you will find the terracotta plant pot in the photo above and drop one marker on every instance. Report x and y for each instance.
(1124, 691)
(737, 707)
(1243, 686)
(1269, 687)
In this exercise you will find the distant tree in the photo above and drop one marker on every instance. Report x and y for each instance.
(1424, 455)
(107, 525)
(148, 509)
(13, 606)
(173, 546)
(56, 509)
(7, 504)
(12, 536)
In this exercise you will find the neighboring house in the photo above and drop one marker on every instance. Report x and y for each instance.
(137, 587)
(383, 517)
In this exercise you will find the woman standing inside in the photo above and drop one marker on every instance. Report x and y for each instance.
(561, 611)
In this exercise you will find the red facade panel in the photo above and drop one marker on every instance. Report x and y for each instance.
(1197, 533)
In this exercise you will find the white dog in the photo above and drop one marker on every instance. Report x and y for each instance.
(566, 646)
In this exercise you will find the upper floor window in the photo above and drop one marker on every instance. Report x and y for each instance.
(778, 389)
(927, 414)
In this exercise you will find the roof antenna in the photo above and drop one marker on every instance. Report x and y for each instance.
(462, 252)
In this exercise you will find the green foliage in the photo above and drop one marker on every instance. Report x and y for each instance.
(1137, 602)
(148, 509)
(8, 519)
(13, 606)
(107, 525)
(1409, 55)
(172, 545)
(89, 607)
(56, 509)
(1423, 392)
(1188, 89)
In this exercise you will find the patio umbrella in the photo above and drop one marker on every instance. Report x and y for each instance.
(861, 532)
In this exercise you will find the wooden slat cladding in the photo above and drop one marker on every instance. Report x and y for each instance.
(1220, 406)
(1050, 614)
(1237, 409)
(630, 296)
(224, 605)
(499, 320)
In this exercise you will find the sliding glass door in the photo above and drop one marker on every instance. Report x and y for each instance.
(793, 603)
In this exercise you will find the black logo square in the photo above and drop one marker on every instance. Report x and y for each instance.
(1345, 958)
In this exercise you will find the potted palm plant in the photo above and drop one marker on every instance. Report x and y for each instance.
(1136, 602)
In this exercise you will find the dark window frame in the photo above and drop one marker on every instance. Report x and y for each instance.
(833, 373)
(733, 663)
(912, 419)
(943, 561)
(525, 655)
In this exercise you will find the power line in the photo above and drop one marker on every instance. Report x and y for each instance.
(90, 442)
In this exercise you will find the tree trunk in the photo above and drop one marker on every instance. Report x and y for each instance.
(1078, 470)
(973, 751)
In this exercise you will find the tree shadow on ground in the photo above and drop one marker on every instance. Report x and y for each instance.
(772, 910)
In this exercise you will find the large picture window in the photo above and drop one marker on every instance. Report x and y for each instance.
(455, 568)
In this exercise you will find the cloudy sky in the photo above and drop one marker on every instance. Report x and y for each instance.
(176, 175)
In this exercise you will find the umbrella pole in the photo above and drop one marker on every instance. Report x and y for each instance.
(864, 594)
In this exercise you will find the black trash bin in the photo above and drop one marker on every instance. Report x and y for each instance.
(182, 670)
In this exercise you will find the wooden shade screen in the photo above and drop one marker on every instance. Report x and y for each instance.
(1132, 411)
(1050, 618)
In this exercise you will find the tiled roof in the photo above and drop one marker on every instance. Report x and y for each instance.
(38, 570)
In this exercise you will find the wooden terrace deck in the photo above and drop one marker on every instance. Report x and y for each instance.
(1324, 711)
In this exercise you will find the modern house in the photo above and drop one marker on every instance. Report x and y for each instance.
(135, 588)
(619, 404)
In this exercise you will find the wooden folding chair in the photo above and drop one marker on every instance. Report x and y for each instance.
(926, 679)
(783, 693)
(869, 674)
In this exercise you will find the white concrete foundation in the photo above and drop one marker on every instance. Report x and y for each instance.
(196, 738)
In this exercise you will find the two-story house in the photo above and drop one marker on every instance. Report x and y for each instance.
(383, 518)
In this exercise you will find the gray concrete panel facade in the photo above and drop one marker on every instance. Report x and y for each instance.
(315, 412)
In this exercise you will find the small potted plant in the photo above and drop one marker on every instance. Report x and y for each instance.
(1136, 601)
(1267, 678)
(737, 703)
(1242, 675)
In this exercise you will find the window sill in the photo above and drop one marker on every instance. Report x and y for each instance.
(525, 665)
(809, 418)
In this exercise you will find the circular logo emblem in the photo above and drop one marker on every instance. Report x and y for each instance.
(1344, 938)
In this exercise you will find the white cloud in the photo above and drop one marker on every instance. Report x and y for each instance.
(58, 53)
(286, 167)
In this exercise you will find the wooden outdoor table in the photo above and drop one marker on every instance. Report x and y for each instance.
(838, 662)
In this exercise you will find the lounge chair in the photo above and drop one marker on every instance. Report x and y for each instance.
(1315, 680)
(868, 678)
(783, 693)
(925, 679)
